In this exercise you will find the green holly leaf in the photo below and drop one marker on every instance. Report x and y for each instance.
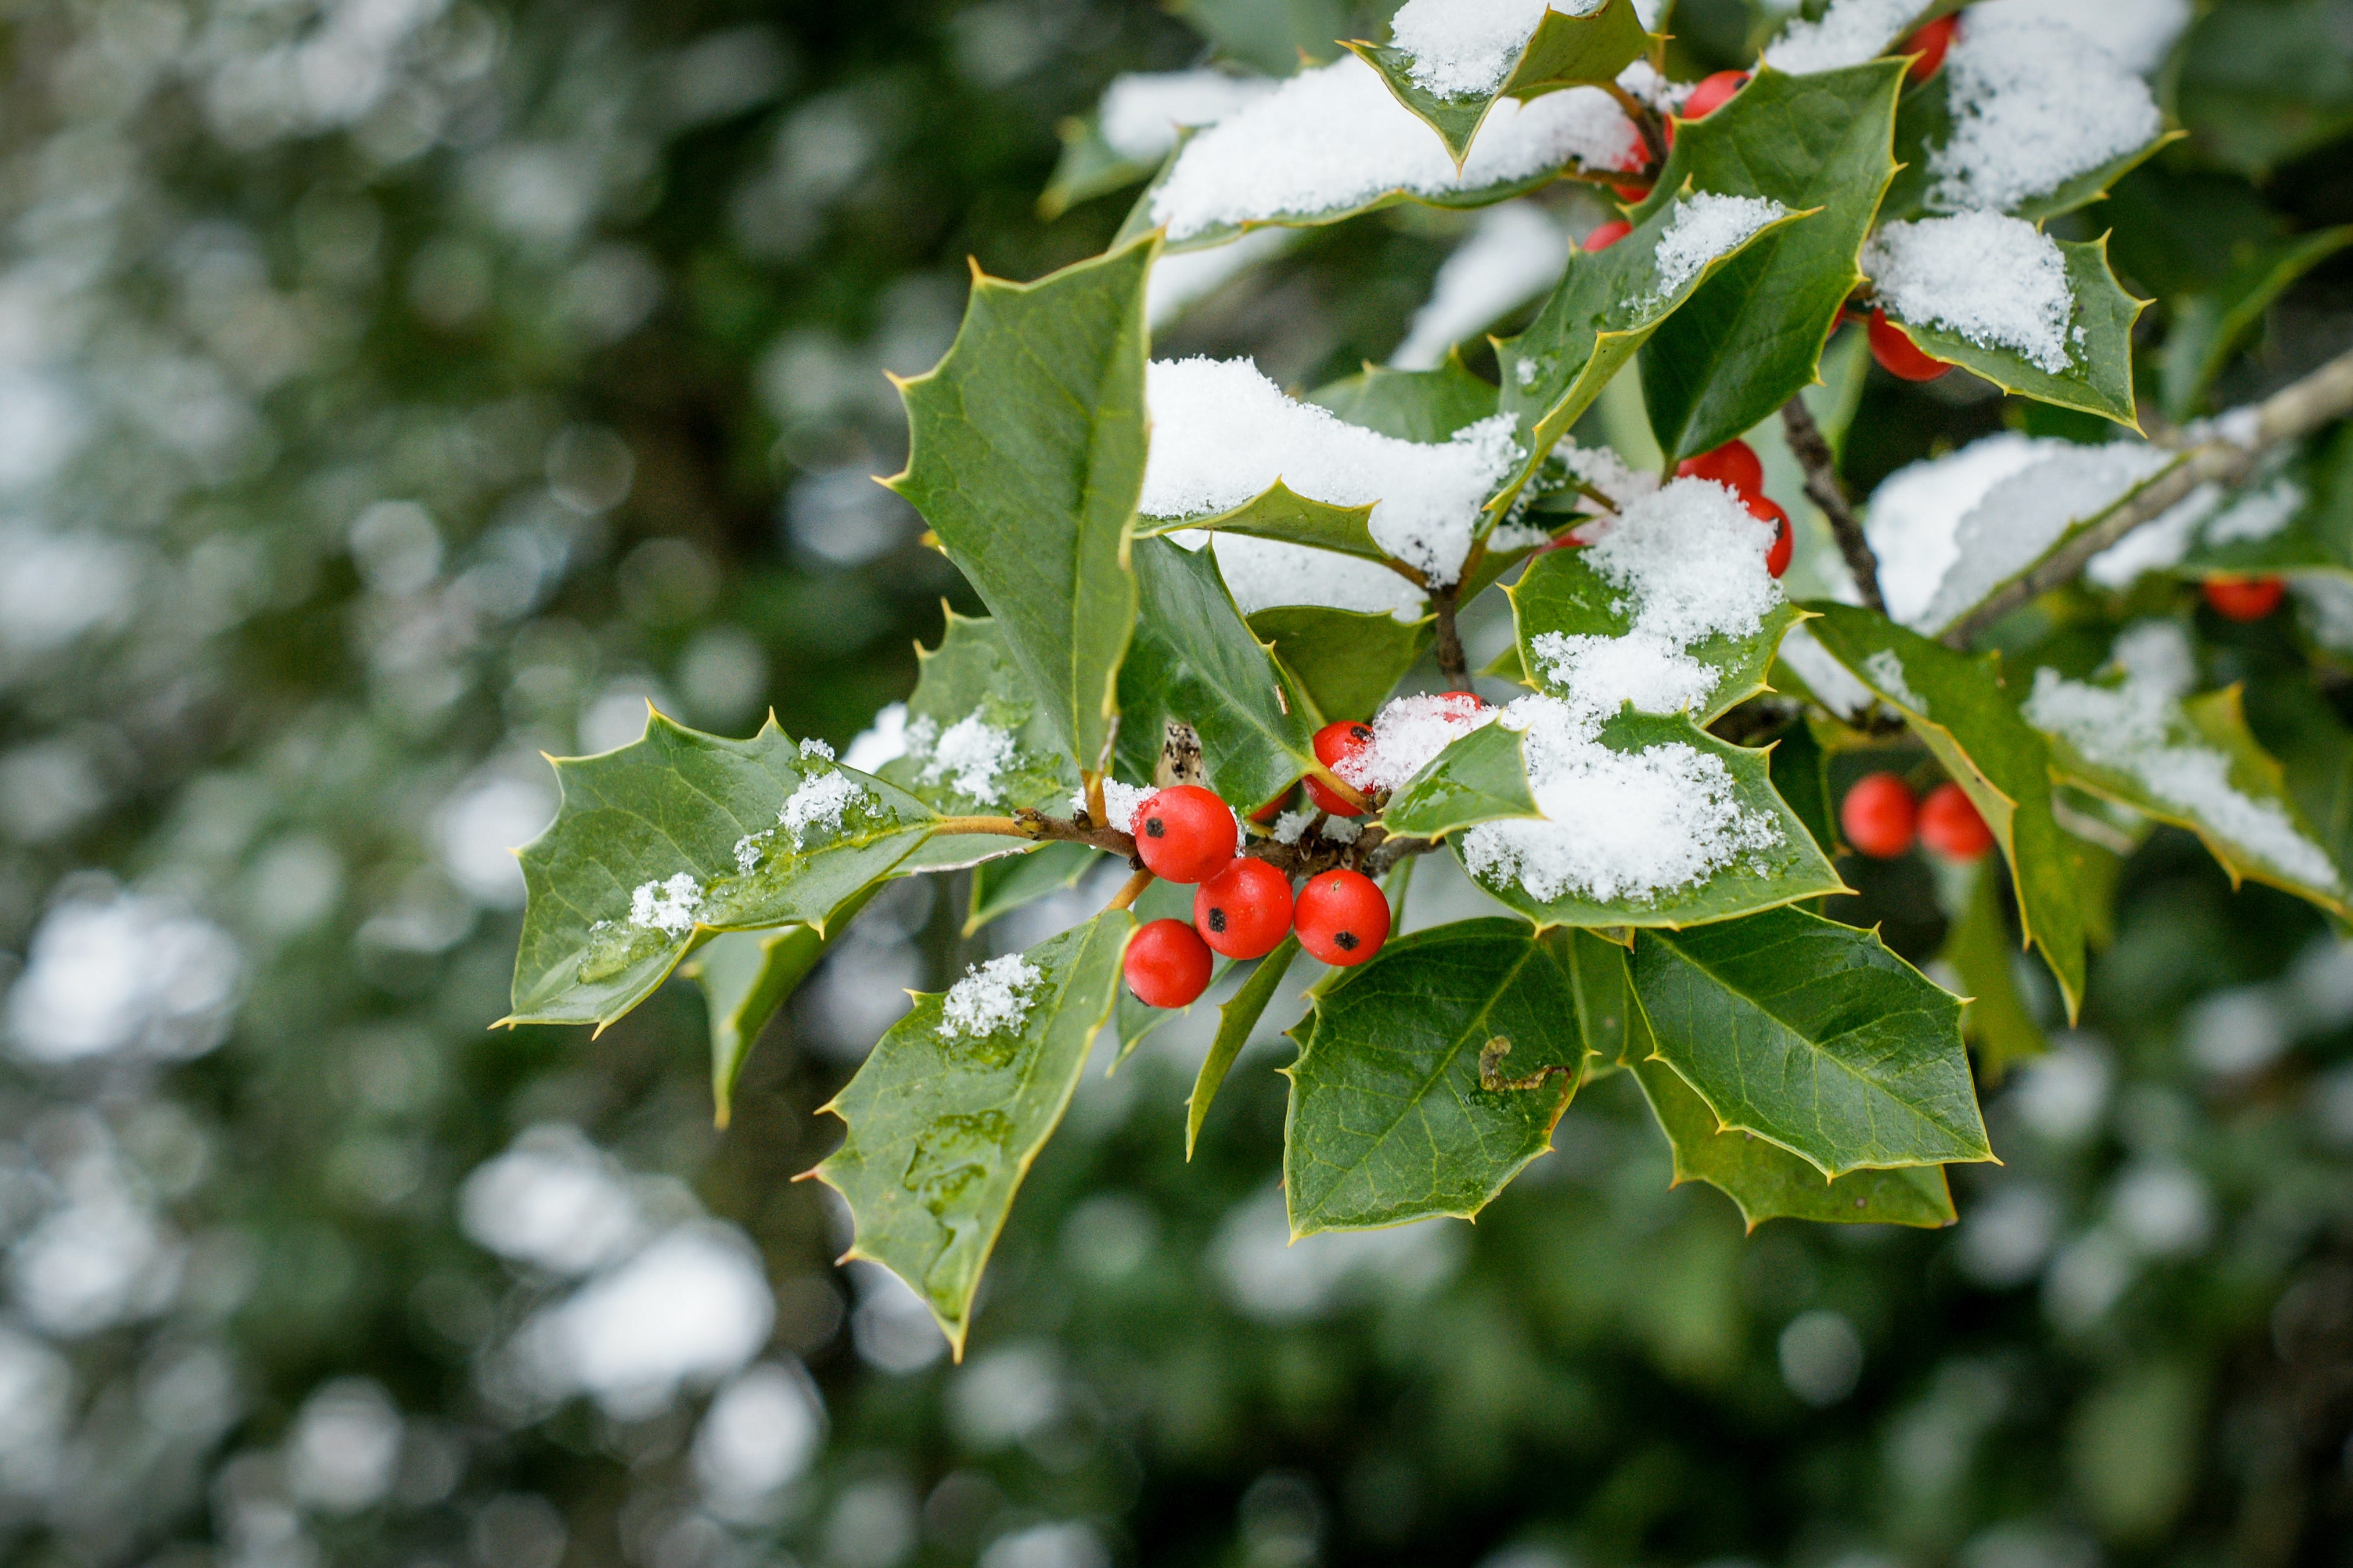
(747, 975)
(1957, 705)
(2208, 328)
(1609, 304)
(1089, 167)
(1815, 1038)
(1346, 662)
(1428, 1077)
(1282, 513)
(1481, 777)
(1752, 336)
(1426, 405)
(2259, 85)
(2294, 720)
(1800, 772)
(1562, 595)
(1001, 886)
(1026, 460)
(1924, 124)
(1006, 754)
(944, 1118)
(2098, 378)
(1271, 36)
(1788, 868)
(2203, 770)
(1563, 51)
(679, 835)
(1978, 945)
(1768, 1182)
(1605, 1011)
(1195, 662)
(1236, 1016)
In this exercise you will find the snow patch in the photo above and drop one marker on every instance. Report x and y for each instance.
(1467, 48)
(1849, 32)
(1407, 734)
(969, 755)
(1998, 281)
(819, 803)
(1515, 253)
(1121, 802)
(1705, 226)
(2139, 33)
(2033, 104)
(666, 906)
(1885, 668)
(992, 998)
(1143, 111)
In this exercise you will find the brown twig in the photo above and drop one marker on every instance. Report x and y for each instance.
(1453, 663)
(1829, 493)
(2226, 453)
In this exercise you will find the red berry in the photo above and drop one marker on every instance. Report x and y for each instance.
(1608, 234)
(1949, 824)
(1336, 743)
(1898, 356)
(1342, 918)
(1708, 95)
(1463, 704)
(1929, 45)
(1167, 964)
(1243, 911)
(1735, 463)
(1878, 815)
(1777, 554)
(1637, 159)
(1632, 195)
(1185, 834)
(1265, 815)
(2244, 598)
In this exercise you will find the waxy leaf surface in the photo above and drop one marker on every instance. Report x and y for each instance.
(1563, 51)
(1427, 406)
(1346, 661)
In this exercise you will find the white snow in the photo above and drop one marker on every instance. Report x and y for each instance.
(2155, 545)
(2034, 104)
(1825, 677)
(1467, 48)
(1915, 515)
(969, 755)
(1222, 434)
(1690, 562)
(885, 741)
(813, 747)
(1142, 111)
(1617, 824)
(1334, 138)
(1407, 734)
(1849, 32)
(2139, 33)
(819, 803)
(992, 998)
(1121, 802)
(2258, 514)
(1605, 471)
(1998, 281)
(666, 906)
(1515, 253)
(1703, 228)
(2138, 728)
(1263, 573)
(1885, 668)
(1183, 280)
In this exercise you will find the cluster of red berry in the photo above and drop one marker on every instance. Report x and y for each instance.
(1895, 352)
(2244, 598)
(1881, 817)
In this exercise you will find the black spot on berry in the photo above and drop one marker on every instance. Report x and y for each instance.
(1345, 940)
(1359, 732)
(1217, 919)
(1152, 828)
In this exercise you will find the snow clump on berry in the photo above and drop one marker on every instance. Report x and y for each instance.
(1407, 734)
(992, 998)
(1998, 281)
(2034, 104)
(668, 906)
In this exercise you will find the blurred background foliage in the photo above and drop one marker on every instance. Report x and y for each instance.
(392, 390)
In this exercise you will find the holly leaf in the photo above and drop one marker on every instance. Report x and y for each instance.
(1026, 460)
(1924, 124)
(1764, 1182)
(1957, 705)
(1346, 662)
(1426, 405)
(681, 834)
(1272, 36)
(747, 975)
(1089, 167)
(2260, 85)
(1236, 1016)
(1978, 946)
(2208, 328)
(1800, 772)
(2098, 378)
(1562, 595)
(1428, 1077)
(1195, 662)
(944, 1123)
(1282, 513)
(1481, 777)
(1752, 336)
(1788, 870)
(1609, 304)
(1006, 754)
(1001, 886)
(1815, 1038)
(2203, 770)
(1562, 51)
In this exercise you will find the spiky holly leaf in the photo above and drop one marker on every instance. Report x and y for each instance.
(747, 975)
(1282, 513)
(1562, 595)
(1765, 1181)
(2260, 85)
(1481, 777)
(1090, 166)
(1272, 36)
(979, 743)
(1957, 704)
(1197, 662)
(1346, 661)
(1562, 51)
(947, 1113)
(1815, 1038)
(2208, 328)
(1978, 945)
(1428, 1077)
(1026, 460)
(1427, 406)
(1924, 124)
(681, 834)
(1752, 336)
(1236, 1016)
(2098, 378)
(1608, 305)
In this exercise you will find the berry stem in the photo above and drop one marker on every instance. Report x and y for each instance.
(1130, 890)
(1825, 489)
